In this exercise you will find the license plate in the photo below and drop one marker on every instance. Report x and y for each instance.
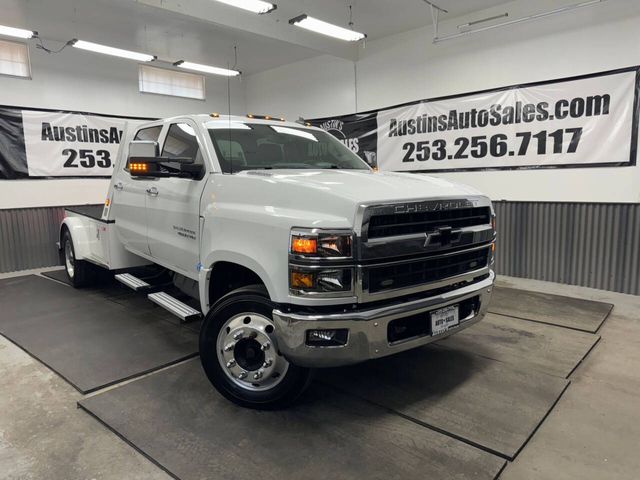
(444, 319)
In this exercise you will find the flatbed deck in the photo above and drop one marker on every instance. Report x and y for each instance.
(92, 211)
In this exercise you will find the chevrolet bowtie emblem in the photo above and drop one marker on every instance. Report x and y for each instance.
(444, 234)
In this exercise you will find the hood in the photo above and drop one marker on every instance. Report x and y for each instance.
(362, 186)
(328, 197)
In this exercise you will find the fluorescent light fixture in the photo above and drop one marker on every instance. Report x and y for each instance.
(530, 18)
(318, 26)
(206, 68)
(295, 132)
(255, 6)
(116, 52)
(17, 32)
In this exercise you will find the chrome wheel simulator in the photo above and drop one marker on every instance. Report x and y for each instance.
(246, 353)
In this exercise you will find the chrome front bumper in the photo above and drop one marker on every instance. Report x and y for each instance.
(368, 328)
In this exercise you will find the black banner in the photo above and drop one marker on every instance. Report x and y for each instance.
(359, 132)
(13, 157)
(43, 143)
(575, 122)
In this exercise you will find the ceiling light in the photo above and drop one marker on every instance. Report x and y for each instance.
(318, 26)
(206, 68)
(255, 6)
(116, 52)
(17, 32)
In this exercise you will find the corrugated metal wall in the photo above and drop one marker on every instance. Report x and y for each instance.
(594, 245)
(28, 237)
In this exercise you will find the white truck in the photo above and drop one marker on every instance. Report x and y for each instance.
(298, 254)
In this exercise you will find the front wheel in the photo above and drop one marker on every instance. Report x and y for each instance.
(239, 353)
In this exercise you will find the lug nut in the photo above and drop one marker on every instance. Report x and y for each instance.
(238, 335)
(258, 375)
(242, 375)
(265, 346)
(231, 363)
(229, 346)
(267, 363)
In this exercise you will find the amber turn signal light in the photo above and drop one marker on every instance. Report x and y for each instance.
(304, 245)
(302, 280)
(139, 167)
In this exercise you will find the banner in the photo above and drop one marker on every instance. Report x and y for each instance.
(40, 143)
(359, 132)
(586, 121)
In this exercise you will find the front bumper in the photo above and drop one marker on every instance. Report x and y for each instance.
(368, 328)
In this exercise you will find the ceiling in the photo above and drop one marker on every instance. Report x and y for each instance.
(206, 31)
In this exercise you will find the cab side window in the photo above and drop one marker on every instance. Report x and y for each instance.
(181, 141)
(150, 134)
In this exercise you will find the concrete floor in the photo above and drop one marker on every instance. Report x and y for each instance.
(592, 433)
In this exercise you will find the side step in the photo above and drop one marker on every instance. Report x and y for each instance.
(132, 282)
(181, 310)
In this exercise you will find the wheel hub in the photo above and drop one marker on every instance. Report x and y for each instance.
(247, 352)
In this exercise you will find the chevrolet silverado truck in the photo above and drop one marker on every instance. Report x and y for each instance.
(296, 253)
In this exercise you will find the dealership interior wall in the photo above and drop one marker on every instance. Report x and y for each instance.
(549, 218)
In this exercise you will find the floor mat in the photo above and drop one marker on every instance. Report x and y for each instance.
(181, 423)
(485, 402)
(87, 340)
(570, 312)
(527, 345)
(105, 285)
(113, 291)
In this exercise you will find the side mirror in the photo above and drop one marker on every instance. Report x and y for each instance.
(141, 150)
(144, 161)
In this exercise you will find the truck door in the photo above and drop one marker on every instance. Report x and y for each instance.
(173, 211)
(129, 201)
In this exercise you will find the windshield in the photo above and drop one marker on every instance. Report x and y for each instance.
(250, 146)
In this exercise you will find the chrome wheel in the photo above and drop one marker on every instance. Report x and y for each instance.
(248, 354)
(69, 259)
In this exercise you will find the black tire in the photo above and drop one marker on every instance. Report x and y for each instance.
(253, 299)
(81, 273)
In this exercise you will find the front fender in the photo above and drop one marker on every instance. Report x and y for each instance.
(232, 257)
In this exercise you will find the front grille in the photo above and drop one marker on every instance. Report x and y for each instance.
(388, 225)
(410, 274)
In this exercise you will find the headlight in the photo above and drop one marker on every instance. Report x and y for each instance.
(303, 280)
(321, 244)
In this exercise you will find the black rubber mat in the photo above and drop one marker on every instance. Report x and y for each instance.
(113, 291)
(177, 420)
(59, 275)
(576, 313)
(105, 285)
(527, 345)
(88, 340)
(485, 402)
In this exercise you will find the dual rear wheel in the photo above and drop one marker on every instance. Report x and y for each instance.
(79, 272)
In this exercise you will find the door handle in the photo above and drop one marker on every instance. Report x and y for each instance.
(118, 186)
(152, 191)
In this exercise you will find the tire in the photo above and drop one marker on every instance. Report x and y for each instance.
(237, 338)
(79, 272)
